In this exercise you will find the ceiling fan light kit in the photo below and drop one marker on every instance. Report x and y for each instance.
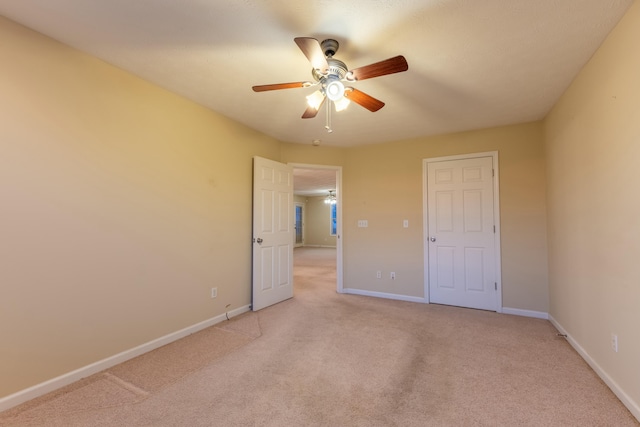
(331, 74)
(334, 88)
(316, 99)
(331, 198)
(341, 104)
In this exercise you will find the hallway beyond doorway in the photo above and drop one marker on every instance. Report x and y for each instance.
(314, 269)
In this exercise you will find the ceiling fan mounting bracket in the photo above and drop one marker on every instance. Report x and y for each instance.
(329, 47)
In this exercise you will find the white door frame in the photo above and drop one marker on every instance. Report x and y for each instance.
(338, 170)
(496, 217)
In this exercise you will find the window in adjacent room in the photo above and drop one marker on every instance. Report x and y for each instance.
(334, 219)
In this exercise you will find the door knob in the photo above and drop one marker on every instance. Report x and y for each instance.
(433, 239)
(259, 240)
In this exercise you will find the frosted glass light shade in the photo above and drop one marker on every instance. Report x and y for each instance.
(315, 99)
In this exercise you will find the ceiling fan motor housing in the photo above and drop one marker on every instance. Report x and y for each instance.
(336, 68)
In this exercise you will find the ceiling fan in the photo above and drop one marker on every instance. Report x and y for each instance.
(330, 74)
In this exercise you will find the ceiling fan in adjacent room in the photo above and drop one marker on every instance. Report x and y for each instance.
(331, 74)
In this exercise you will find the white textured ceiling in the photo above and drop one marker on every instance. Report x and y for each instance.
(472, 64)
(313, 182)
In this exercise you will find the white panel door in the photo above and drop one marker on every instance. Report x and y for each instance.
(461, 233)
(272, 233)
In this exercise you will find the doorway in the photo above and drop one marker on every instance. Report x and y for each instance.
(321, 234)
(462, 231)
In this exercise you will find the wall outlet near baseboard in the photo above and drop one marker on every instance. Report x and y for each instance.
(392, 275)
(614, 342)
(378, 274)
(214, 292)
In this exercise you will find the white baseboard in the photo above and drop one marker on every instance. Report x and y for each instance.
(525, 313)
(632, 406)
(383, 295)
(73, 376)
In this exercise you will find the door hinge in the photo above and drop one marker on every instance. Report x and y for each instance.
(493, 172)
(494, 228)
(496, 285)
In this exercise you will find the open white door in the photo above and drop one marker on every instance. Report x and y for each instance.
(272, 233)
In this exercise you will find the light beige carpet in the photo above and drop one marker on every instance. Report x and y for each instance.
(324, 359)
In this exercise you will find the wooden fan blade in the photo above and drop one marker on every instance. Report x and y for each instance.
(311, 112)
(364, 100)
(277, 86)
(313, 51)
(393, 65)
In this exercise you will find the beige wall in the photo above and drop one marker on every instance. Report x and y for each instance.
(121, 206)
(317, 222)
(383, 184)
(593, 162)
